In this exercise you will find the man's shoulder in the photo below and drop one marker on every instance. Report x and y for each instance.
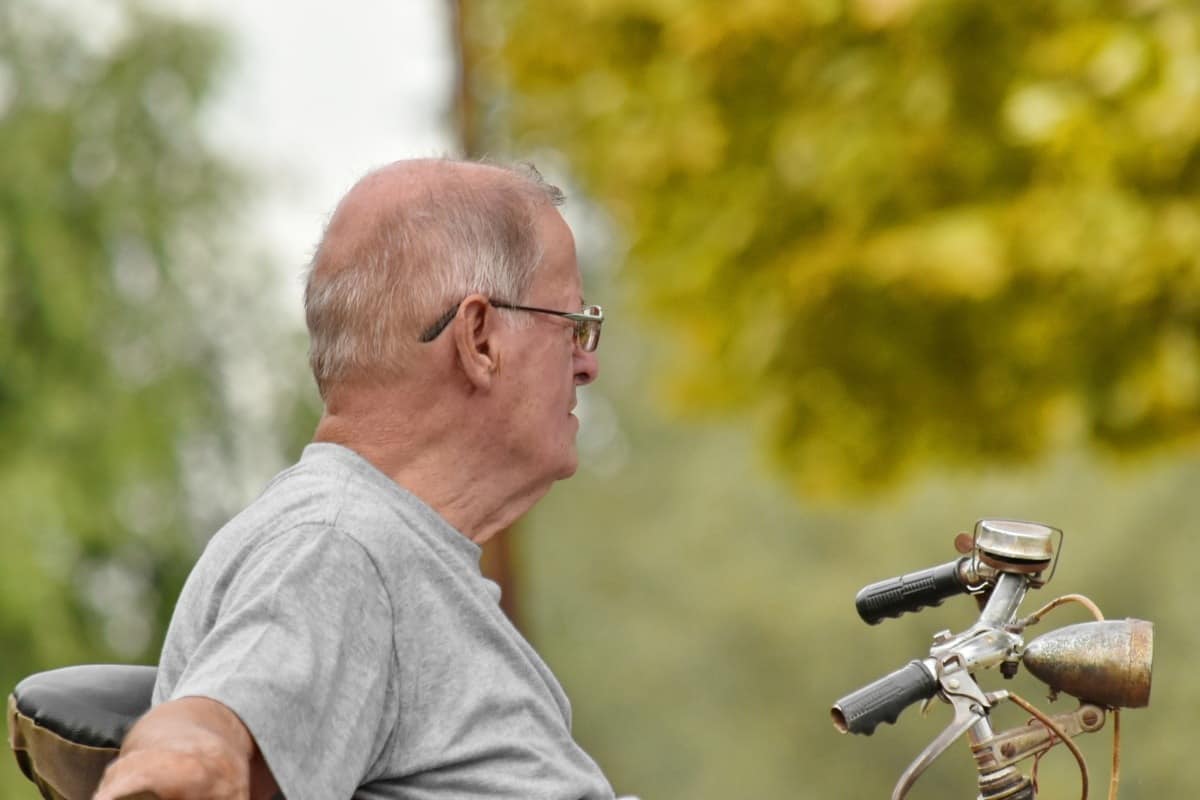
(334, 488)
(332, 501)
(329, 486)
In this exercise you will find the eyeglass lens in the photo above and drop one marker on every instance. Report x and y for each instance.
(587, 332)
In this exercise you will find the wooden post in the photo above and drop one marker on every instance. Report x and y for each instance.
(497, 561)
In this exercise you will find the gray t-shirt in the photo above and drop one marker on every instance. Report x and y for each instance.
(350, 629)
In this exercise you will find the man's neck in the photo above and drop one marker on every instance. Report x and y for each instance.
(431, 451)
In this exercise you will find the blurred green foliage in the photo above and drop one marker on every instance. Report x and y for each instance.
(99, 167)
(112, 396)
(894, 231)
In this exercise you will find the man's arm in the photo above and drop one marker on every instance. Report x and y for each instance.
(192, 748)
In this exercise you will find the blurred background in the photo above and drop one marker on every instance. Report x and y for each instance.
(874, 269)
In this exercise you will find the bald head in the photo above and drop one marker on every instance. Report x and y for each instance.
(408, 242)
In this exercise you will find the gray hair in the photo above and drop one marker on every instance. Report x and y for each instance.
(368, 298)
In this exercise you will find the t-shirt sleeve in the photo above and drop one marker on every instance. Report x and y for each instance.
(301, 652)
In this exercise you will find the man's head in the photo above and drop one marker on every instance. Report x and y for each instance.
(407, 242)
(412, 289)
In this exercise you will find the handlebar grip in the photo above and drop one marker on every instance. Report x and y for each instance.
(912, 592)
(883, 700)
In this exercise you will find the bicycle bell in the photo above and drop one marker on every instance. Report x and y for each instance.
(1010, 545)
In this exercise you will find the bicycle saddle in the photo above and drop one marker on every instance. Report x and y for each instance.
(65, 725)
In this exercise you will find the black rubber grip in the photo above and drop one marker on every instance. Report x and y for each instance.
(883, 700)
(893, 597)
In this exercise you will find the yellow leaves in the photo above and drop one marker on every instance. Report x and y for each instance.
(1176, 372)
(809, 269)
(1093, 233)
(1175, 238)
(1162, 390)
(969, 222)
(702, 27)
(683, 131)
(618, 85)
(882, 13)
(1122, 60)
(1168, 114)
(602, 92)
(959, 253)
(927, 97)
(1035, 113)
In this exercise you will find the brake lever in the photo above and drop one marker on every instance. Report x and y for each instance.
(970, 705)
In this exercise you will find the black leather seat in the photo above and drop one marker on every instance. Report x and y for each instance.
(65, 725)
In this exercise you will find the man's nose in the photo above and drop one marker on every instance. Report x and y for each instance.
(587, 367)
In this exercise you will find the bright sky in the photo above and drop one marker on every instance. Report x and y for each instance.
(318, 93)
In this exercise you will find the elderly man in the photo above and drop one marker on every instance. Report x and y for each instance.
(336, 639)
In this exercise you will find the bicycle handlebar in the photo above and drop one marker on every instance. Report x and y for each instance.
(882, 701)
(912, 592)
(1104, 664)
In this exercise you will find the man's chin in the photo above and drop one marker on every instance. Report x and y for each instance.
(570, 465)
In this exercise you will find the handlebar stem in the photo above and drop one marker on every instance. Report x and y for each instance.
(996, 781)
(1001, 608)
(990, 640)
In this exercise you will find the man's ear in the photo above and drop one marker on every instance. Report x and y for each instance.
(475, 340)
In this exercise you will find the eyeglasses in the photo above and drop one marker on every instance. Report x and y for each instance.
(587, 322)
